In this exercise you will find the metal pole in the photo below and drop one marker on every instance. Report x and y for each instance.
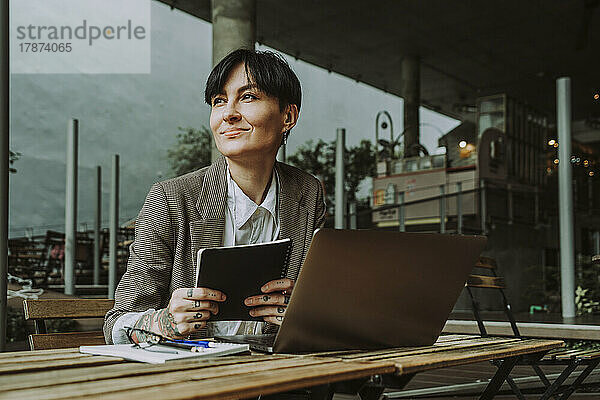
(590, 195)
(97, 226)
(459, 206)
(71, 206)
(114, 227)
(565, 197)
(596, 239)
(537, 206)
(4, 154)
(483, 207)
(509, 193)
(339, 178)
(401, 213)
(442, 209)
(353, 216)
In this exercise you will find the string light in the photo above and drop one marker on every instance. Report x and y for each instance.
(551, 142)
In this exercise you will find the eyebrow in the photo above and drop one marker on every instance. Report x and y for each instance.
(240, 90)
(248, 86)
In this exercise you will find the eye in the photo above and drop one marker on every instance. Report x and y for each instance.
(217, 100)
(246, 96)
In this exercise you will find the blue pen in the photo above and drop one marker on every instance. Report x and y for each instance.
(188, 344)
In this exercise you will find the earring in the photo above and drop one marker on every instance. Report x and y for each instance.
(285, 137)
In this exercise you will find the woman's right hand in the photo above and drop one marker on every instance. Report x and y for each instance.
(187, 313)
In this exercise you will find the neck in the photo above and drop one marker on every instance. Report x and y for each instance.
(253, 178)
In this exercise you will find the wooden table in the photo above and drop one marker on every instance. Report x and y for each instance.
(54, 374)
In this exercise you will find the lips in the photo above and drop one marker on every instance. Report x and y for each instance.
(234, 132)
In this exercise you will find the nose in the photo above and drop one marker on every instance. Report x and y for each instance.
(231, 113)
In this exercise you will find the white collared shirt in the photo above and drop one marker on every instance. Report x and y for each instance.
(245, 223)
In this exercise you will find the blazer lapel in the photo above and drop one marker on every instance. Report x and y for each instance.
(293, 217)
(208, 230)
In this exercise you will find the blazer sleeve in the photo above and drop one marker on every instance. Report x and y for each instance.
(321, 208)
(146, 282)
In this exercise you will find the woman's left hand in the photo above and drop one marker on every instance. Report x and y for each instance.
(271, 305)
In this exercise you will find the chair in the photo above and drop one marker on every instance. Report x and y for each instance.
(41, 310)
(569, 358)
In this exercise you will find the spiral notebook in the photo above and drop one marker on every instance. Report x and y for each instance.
(158, 354)
(239, 272)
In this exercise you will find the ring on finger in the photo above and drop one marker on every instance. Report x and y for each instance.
(198, 316)
(197, 303)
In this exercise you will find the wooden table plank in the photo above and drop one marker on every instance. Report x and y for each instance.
(452, 357)
(57, 364)
(160, 378)
(29, 353)
(472, 342)
(254, 384)
(124, 369)
(43, 357)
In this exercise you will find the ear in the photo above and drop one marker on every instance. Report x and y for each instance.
(290, 117)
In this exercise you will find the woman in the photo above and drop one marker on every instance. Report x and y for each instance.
(243, 197)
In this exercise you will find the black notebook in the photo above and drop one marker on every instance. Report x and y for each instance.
(239, 272)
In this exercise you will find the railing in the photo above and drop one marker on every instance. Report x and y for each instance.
(497, 203)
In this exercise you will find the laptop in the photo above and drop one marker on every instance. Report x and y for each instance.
(367, 289)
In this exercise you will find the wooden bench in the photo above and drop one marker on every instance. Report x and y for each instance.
(41, 310)
(569, 358)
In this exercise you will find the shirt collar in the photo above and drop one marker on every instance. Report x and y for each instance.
(243, 207)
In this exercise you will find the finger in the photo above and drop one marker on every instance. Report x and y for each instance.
(199, 305)
(191, 327)
(271, 298)
(274, 320)
(197, 316)
(278, 285)
(267, 311)
(202, 294)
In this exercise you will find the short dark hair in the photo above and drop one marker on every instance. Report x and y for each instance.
(268, 70)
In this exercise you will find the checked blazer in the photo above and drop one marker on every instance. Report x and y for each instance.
(185, 214)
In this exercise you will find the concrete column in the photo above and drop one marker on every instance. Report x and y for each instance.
(353, 216)
(411, 93)
(596, 240)
(401, 213)
(565, 197)
(483, 207)
(4, 154)
(340, 205)
(233, 27)
(113, 227)
(459, 215)
(442, 208)
(71, 206)
(97, 226)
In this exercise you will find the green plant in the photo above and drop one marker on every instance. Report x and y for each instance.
(585, 305)
(319, 160)
(192, 150)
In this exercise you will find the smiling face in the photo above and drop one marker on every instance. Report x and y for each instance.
(246, 123)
